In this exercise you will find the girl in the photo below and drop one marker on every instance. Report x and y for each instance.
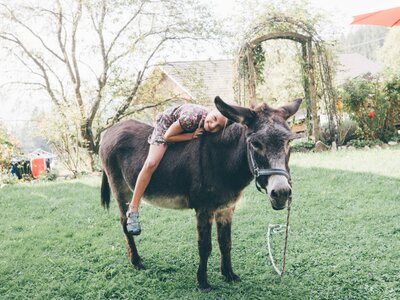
(176, 124)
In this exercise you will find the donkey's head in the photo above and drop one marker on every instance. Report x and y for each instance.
(267, 137)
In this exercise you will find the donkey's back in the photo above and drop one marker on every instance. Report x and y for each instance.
(123, 151)
(124, 136)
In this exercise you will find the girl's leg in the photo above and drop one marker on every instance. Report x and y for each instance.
(156, 153)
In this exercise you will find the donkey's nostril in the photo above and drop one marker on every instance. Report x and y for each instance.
(281, 194)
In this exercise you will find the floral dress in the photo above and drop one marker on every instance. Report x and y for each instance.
(188, 115)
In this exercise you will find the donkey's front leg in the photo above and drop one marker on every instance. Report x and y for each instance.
(204, 223)
(223, 218)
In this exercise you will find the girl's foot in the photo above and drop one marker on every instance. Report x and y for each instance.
(133, 223)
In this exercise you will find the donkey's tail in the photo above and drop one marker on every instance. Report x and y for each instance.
(105, 191)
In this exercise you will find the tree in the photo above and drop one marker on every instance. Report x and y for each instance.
(389, 54)
(8, 148)
(91, 57)
(365, 40)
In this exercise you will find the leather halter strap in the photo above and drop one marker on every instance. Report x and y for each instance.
(257, 172)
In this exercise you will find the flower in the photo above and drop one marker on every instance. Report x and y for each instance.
(371, 114)
(339, 105)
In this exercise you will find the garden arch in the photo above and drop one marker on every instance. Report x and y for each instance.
(316, 68)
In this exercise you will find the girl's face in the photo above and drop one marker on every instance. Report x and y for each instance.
(214, 121)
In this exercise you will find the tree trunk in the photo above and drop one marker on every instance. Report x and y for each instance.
(89, 143)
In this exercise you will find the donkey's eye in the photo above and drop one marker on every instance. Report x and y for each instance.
(257, 145)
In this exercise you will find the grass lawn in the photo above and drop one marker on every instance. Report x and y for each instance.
(58, 243)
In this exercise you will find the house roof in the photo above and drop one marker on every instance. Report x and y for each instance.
(41, 153)
(203, 79)
(352, 65)
(209, 78)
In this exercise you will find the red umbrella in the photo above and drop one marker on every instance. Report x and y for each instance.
(388, 17)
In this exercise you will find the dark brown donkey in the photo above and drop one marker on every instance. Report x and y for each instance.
(207, 174)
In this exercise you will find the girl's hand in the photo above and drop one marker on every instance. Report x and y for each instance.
(198, 132)
(203, 119)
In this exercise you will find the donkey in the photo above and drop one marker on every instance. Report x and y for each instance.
(206, 174)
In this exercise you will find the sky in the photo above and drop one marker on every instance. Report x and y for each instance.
(344, 9)
(341, 12)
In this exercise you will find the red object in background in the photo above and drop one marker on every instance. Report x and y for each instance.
(388, 17)
(38, 166)
(371, 114)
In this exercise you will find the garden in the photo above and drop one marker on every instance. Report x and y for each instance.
(368, 114)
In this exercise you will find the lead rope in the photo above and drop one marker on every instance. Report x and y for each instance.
(276, 228)
(273, 228)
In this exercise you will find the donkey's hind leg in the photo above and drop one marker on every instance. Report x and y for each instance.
(204, 224)
(134, 256)
(124, 195)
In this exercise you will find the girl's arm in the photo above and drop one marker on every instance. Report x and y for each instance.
(175, 133)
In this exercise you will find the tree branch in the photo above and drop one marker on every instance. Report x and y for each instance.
(125, 104)
(102, 79)
(23, 83)
(124, 28)
(78, 95)
(139, 39)
(36, 60)
(27, 66)
(133, 111)
(61, 44)
(13, 17)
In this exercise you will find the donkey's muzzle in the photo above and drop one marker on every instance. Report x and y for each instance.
(279, 197)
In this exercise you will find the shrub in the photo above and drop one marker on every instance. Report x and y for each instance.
(302, 146)
(346, 130)
(48, 176)
(363, 143)
(373, 105)
(7, 178)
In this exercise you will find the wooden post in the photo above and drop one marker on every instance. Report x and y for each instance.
(306, 86)
(251, 80)
(313, 90)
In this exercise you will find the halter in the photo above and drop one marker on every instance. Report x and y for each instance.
(257, 172)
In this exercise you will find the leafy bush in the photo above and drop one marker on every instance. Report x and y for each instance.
(8, 148)
(48, 176)
(363, 143)
(374, 105)
(7, 178)
(302, 146)
(346, 131)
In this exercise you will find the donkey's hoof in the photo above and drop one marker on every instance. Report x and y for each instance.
(205, 287)
(231, 277)
(137, 264)
(139, 267)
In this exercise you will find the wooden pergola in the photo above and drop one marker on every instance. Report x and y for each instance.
(314, 57)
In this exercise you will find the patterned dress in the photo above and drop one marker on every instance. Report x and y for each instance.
(188, 115)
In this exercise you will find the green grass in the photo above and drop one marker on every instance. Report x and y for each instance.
(58, 243)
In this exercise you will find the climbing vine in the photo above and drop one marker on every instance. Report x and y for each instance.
(259, 63)
(315, 57)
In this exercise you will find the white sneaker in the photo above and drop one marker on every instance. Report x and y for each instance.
(133, 223)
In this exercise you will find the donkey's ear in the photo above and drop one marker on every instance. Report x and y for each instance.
(235, 113)
(290, 109)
